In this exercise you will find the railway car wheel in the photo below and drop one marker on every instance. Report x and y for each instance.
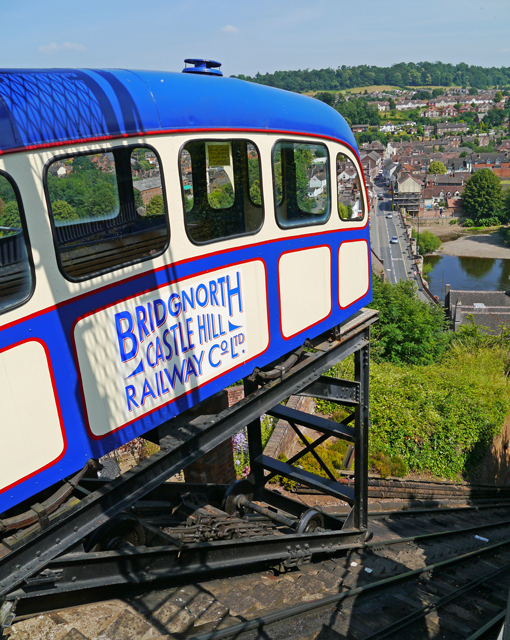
(123, 530)
(310, 520)
(239, 487)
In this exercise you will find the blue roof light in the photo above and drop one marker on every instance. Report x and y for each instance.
(209, 67)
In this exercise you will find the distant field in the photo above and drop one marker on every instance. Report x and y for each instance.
(383, 87)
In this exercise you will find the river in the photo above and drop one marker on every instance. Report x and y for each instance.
(471, 274)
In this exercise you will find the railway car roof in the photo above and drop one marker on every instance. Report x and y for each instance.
(57, 106)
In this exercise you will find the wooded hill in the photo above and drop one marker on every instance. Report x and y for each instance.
(403, 74)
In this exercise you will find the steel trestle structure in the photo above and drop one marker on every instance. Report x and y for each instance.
(51, 558)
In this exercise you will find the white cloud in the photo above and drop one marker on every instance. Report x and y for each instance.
(504, 51)
(230, 29)
(53, 47)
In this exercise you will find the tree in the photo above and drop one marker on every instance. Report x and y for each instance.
(156, 206)
(498, 97)
(409, 330)
(427, 242)
(328, 98)
(483, 195)
(10, 217)
(62, 210)
(436, 167)
(506, 215)
(392, 104)
(102, 200)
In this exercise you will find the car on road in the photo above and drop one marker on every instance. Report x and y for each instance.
(380, 197)
(389, 216)
(394, 240)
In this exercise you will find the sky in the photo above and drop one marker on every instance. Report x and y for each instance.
(251, 36)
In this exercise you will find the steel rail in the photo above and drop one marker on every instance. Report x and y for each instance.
(414, 616)
(334, 599)
(435, 534)
(488, 626)
(411, 512)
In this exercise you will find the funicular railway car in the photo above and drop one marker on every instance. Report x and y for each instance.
(161, 234)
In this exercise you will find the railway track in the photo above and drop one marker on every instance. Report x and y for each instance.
(442, 571)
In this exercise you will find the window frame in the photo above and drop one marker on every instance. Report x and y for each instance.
(361, 180)
(258, 206)
(28, 246)
(93, 152)
(310, 143)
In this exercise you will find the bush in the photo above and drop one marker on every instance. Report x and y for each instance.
(453, 221)
(440, 418)
(468, 223)
(488, 222)
(427, 242)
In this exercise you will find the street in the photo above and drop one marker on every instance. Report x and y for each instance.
(397, 258)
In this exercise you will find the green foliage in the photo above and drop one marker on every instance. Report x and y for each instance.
(401, 74)
(504, 232)
(332, 453)
(90, 192)
(427, 242)
(156, 206)
(506, 207)
(387, 465)
(468, 222)
(436, 167)
(427, 268)
(439, 418)
(488, 222)
(63, 211)
(453, 221)
(409, 330)
(10, 218)
(483, 195)
(222, 197)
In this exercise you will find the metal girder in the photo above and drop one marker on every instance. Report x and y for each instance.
(324, 485)
(345, 392)
(329, 427)
(84, 573)
(183, 440)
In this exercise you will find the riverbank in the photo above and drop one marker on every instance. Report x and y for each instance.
(463, 243)
(487, 245)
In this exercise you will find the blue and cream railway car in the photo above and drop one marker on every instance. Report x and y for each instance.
(161, 234)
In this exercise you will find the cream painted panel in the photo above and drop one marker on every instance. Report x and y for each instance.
(304, 279)
(129, 369)
(353, 276)
(33, 436)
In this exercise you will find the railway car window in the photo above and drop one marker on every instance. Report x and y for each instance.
(15, 271)
(350, 203)
(221, 189)
(301, 183)
(108, 210)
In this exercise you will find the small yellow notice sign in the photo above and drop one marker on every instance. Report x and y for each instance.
(218, 155)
